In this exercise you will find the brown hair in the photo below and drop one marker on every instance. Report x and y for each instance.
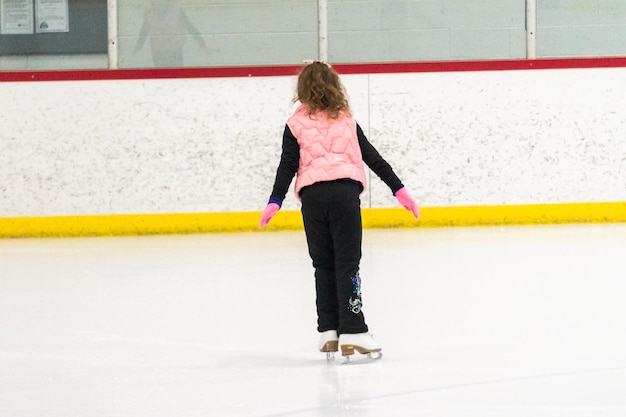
(320, 89)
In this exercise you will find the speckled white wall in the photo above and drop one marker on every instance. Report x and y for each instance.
(511, 137)
(206, 145)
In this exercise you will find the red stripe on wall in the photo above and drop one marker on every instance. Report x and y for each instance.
(287, 70)
(457, 66)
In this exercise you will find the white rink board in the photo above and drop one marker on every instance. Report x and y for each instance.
(213, 145)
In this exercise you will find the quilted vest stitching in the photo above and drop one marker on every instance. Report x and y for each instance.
(329, 148)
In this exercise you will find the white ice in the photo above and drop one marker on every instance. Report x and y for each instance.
(489, 322)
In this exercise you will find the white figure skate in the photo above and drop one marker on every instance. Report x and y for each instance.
(329, 343)
(362, 343)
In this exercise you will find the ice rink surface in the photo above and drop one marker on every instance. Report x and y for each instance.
(491, 322)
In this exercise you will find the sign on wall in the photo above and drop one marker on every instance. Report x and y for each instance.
(44, 27)
(51, 16)
(16, 17)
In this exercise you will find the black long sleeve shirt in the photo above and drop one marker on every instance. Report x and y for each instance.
(290, 161)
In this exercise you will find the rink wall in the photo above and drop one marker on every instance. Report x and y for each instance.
(195, 150)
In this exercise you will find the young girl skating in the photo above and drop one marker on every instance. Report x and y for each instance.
(327, 149)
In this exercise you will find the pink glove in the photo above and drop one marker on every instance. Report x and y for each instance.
(268, 213)
(407, 202)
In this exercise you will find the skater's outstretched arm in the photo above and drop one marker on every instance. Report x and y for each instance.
(288, 165)
(287, 168)
(377, 163)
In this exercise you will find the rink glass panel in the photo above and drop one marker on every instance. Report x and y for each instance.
(206, 33)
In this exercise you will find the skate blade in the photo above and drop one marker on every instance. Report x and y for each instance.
(366, 358)
(329, 349)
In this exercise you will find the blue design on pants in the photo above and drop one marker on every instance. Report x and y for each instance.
(355, 303)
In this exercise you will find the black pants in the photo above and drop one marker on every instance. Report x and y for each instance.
(331, 212)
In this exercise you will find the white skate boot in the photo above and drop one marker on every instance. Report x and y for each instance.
(329, 343)
(363, 343)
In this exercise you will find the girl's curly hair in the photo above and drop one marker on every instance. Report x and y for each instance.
(320, 89)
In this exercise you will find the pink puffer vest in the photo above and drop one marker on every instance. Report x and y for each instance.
(329, 148)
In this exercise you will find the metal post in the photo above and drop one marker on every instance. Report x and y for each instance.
(112, 31)
(322, 30)
(531, 29)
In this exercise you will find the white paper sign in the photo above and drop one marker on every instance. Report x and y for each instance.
(51, 16)
(16, 17)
